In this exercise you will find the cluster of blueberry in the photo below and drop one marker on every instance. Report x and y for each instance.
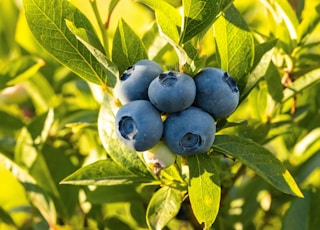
(172, 106)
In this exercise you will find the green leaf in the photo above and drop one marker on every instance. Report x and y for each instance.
(37, 196)
(18, 70)
(168, 19)
(127, 47)
(94, 46)
(50, 29)
(167, 28)
(198, 16)
(115, 149)
(9, 122)
(235, 45)
(204, 189)
(260, 160)
(103, 172)
(263, 56)
(163, 206)
(294, 219)
(289, 16)
(309, 23)
(273, 79)
(302, 83)
(113, 193)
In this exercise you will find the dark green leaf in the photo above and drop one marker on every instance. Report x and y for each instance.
(262, 63)
(104, 172)
(204, 188)
(18, 70)
(6, 219)
(235, 45)
(273, 79)
(94, 46)
(260, 160)
(50, 29)
(127, 47)
(113, 193)
(115, 149)
(9, 122)
(294, 218)
(163, 206)
(198, 16)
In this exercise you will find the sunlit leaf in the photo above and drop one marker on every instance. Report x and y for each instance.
(46, 20)
(37, 196)
(168, 19)
(235, 45)
(310, 22)
(127, 47)
(198, 16)
(260, 160)
(163, 206)
(204, 188)
(96, 49)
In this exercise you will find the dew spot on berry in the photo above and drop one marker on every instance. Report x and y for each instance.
(127, 128)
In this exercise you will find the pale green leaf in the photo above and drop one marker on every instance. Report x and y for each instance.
(127, 47)
(168, 19)
(163, 206)
(260, 160)
(235, 45)
(204, 188)
(309, 23)
(37, 196)
(46, 20)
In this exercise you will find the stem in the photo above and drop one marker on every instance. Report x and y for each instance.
(101, 26)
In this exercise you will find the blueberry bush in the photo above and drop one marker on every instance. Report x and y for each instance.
(159, 114)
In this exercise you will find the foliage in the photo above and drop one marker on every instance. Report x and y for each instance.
(61, 165)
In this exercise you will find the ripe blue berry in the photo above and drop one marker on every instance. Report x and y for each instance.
(139, 125)
(217, 92)
(134, 82)
(190, 131)
(172, 91)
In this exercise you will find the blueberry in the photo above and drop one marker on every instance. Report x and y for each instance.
(134, 82)
(172, 91)
(190, 131)
(217, 92)
(139, 125)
